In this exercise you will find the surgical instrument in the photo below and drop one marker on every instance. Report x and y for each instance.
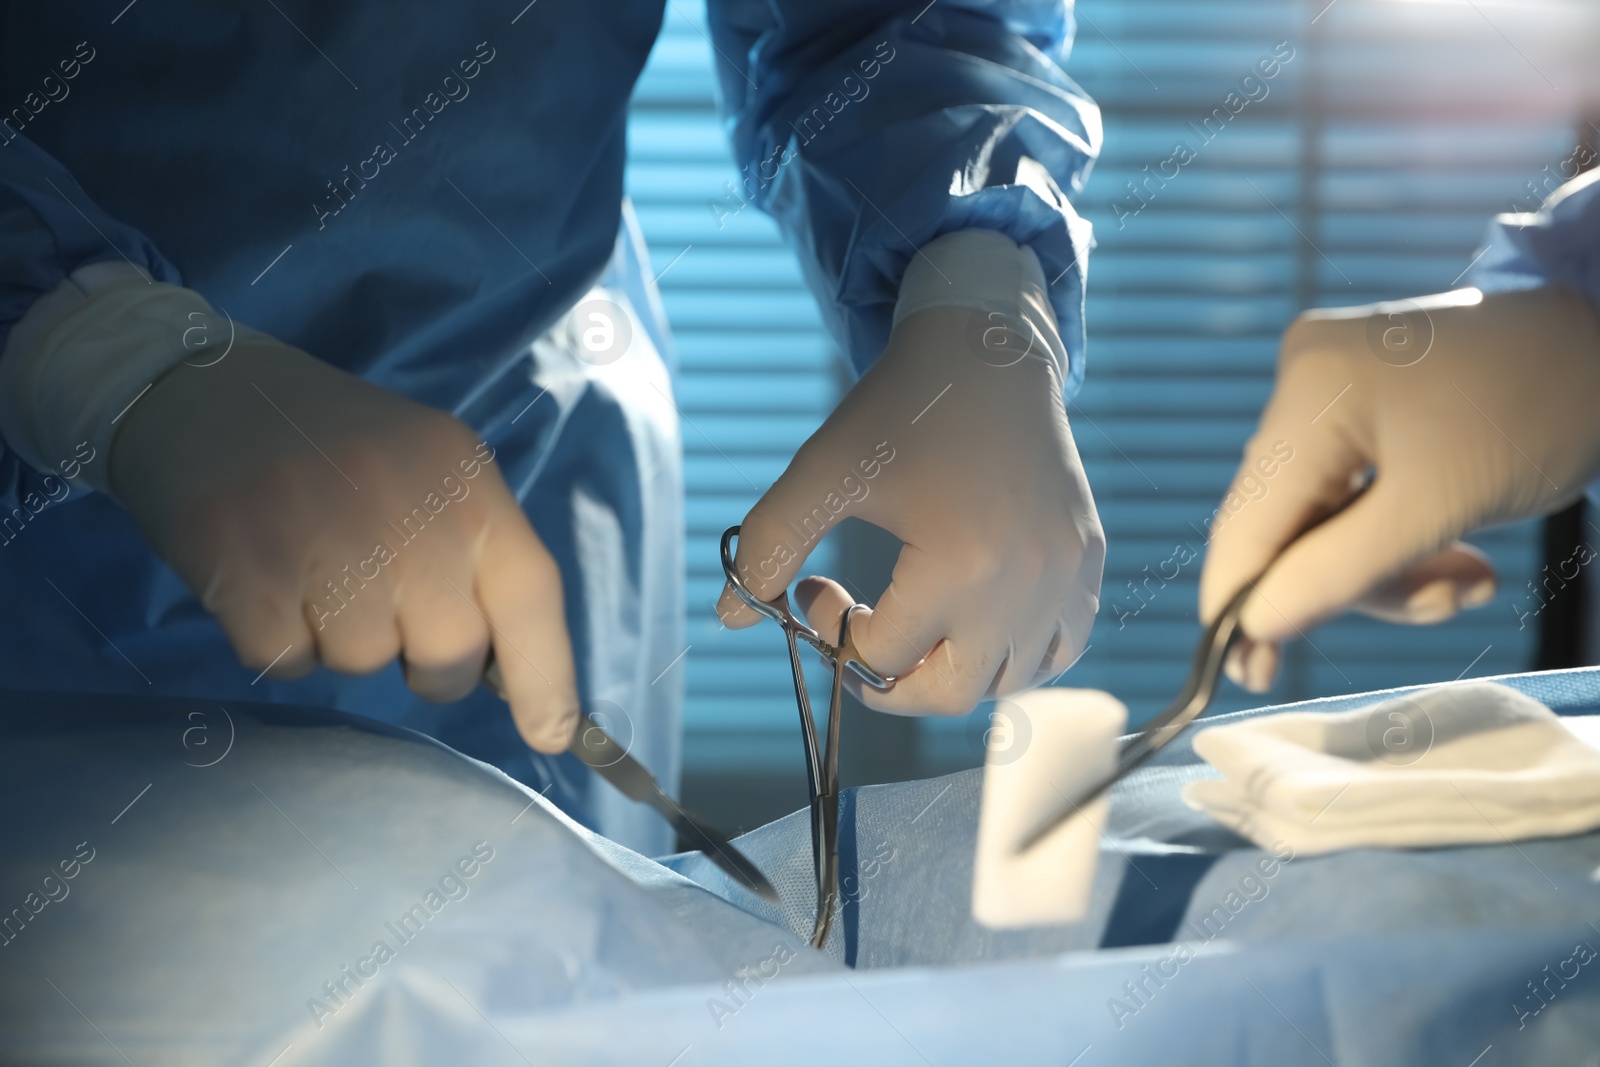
(822, 764)
(1191, 702)
(599, 751)
(1193, 699)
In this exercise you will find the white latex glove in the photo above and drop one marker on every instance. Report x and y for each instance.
(1472, 409)
(316, 515)
(957, 443)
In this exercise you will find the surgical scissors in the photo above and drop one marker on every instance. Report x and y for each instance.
(822, 763)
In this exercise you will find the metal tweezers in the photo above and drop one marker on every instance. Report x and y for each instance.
(1192, 701)
(1197, 691)
(822, 765)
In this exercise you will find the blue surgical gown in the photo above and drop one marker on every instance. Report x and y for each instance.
(415, 192)
(1557, 245)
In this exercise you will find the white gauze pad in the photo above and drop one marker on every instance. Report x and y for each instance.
(1044, 747)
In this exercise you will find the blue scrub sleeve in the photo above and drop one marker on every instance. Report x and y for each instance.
(868, 129)
(1558, 244)
(49, 227)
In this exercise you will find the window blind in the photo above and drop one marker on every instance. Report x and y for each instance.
(1364, 166)
(757, 375)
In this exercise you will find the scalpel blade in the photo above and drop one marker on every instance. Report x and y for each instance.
(611, 761)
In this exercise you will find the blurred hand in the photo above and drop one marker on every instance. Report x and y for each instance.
(319, 516)
(1472, 410)
(965, 455)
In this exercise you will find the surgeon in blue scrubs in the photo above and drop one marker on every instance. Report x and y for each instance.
(332, 360)
(1465, 409)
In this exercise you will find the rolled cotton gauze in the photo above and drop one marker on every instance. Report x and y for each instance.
(1044, 747)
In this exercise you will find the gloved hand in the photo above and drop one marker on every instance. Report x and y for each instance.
(319, 516)
(956, 441)
(1472, 411)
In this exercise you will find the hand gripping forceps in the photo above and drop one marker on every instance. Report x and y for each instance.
(822, 765)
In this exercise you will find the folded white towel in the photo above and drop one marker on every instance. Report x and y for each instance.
(1459, 764)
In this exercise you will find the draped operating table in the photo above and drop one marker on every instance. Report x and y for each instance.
(244, 884)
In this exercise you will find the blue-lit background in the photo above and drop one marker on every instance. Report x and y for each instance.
(1367, 171)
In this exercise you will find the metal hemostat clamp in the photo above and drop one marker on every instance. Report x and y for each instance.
(822, 764)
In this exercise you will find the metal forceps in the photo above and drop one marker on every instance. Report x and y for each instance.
(1191, 703)
(822, 764)
(1193, 698)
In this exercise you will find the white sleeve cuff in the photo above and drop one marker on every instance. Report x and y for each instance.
(986, 270)
(81, 356)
